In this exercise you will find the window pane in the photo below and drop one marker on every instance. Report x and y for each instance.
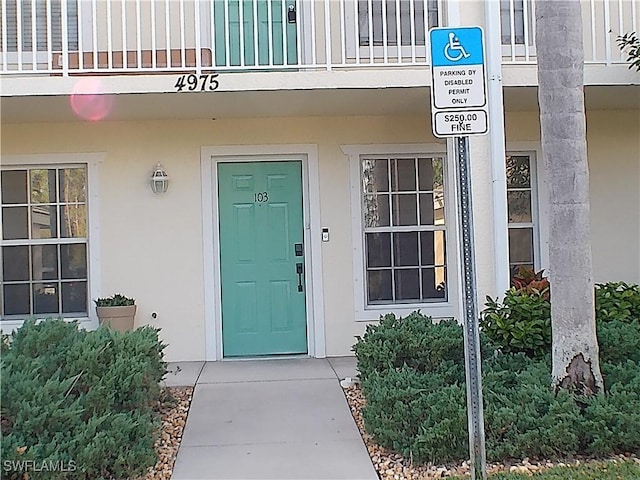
(405, 209)
(43, 186)
(438, 203)
(15, 263)
(519, 204)
(434, 283)
(405, 249)
(45, 262)
(16, 299)
(521, 245)
(518, 171)
(73, 260)
(375, 176)
(44, 221)
(74, 297)
(379, 285)
(407, 283)
(376, 211)
(426, 209)
(73, 221)
(14, 223)
(45, 298)
(73, 183)
(378, 249)
(403, 175)
(14, 186)
(432, 248)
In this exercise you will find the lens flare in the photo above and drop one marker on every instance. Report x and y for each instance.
(88, 102)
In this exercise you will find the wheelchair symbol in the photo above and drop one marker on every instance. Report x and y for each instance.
(454, 51)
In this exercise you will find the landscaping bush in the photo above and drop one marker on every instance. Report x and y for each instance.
(521, 323)
(415, 341)
(618, 301)
(79, 401)
(421, 412)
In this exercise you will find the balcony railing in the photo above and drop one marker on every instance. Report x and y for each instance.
(65, 37)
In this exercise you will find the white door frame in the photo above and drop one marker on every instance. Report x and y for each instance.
(314, 293)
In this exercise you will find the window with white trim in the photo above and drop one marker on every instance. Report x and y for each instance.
(522, 211)
(404, 229)
(44, 244)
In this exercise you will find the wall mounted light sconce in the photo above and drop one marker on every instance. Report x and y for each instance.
(159, 180)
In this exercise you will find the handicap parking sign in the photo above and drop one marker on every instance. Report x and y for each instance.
(458, 84)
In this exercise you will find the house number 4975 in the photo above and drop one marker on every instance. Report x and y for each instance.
(261, 197)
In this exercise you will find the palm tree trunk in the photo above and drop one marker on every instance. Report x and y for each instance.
(560, 54)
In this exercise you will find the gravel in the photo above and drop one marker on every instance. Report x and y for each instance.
(174, 418)
(392, 466)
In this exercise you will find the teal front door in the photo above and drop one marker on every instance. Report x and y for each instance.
(261, 258)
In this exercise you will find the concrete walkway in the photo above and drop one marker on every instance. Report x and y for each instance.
(270, 419)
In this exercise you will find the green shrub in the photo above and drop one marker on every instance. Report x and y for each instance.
(619, 341)
(81, 399)
(618, 301)
(521, 323)
(421, 415)
(415, 341)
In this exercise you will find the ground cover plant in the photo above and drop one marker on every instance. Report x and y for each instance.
(417, 407)
(79, 404)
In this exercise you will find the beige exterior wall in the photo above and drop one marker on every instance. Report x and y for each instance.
(152, 247)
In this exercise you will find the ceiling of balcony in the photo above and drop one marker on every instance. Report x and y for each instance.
(285, 103)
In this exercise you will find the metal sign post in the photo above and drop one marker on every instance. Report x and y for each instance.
(471, 330)
(458, 109)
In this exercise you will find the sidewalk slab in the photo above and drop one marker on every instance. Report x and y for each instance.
(266, 370)
(182, 374)
(268, 412)
(303, 461)
(269, 420)
(344, 366)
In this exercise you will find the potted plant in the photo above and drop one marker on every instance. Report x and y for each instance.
(116, 312)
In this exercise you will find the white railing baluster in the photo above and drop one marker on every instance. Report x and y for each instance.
(370, 13)
(356, 29)
(94, 33)
(299, 38)
(80, 39)
(139, 63)
(327, 35)
(412, 19)
(343, 42)
(607, 29)
(270, 31)
(65, 38)
(592, 10)
(19, 33)
(123, 20)
(620, 26)
(634, 14)
(525, 16)
(256, 46)
(183, 51)
(385, 45)
(512, 23)
(212, 33)
(167, 30)
(154, 33)
(34, 36)
(5, 59)
(49, 36)
(398, 33)
(241, 30)
(109, 39)
(196, 19)
(227, 36)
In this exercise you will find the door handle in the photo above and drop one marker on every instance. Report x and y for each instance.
(299, 271)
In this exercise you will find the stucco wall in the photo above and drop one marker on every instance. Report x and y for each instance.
(151, 247)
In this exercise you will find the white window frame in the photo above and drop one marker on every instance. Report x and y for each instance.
(444, 309)
(539, 200)
(527, 48)
(92, 163)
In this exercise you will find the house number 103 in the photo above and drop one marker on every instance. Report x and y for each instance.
(261, 197)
